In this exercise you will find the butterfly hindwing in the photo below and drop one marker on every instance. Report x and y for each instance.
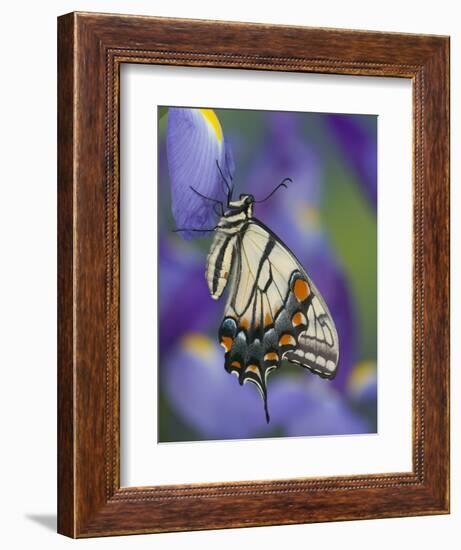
(317, 346)
(273, 312)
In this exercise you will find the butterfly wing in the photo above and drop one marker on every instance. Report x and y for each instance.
(274, 312)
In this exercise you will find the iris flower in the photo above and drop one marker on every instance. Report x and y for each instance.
(200, 162)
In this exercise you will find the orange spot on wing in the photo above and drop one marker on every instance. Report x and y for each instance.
(267, 320)
(244, 323)
(235, 364)
(253, 368)
(271, 356)
(287, 340)
(301, 290)
(226, 342)
(298, 319)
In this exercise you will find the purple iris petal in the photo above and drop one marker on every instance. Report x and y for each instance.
(309, 406)
(185, 304)
(358, 145)
(207, 398)
(195, 148)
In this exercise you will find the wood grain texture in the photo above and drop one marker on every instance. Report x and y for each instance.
(91, 49)
(66, 108)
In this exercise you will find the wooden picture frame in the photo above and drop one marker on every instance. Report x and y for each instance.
(92, 48)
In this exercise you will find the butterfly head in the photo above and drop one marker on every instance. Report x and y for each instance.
(243, 205)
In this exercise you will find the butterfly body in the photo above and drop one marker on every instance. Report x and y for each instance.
(225, 242)
(274, 311)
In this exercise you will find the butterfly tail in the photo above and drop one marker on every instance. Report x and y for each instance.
(266, 409)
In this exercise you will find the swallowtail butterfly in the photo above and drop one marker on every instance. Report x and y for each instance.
(274, 311)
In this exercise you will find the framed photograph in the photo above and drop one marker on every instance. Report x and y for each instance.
(250, 203)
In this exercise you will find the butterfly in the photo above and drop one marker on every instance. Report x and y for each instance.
(274, 312)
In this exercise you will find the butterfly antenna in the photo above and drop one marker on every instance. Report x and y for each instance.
(229, 189)
(216, 201)
(193, 229)
(281, 184)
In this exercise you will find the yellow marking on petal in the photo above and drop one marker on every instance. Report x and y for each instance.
(287, 340)
(213, 120)
(199, 345)
(271, 356)
(301, 290)
(226, 342)
(361, 374)
(298, 319)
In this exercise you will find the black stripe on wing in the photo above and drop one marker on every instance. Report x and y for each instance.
(217, 272)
